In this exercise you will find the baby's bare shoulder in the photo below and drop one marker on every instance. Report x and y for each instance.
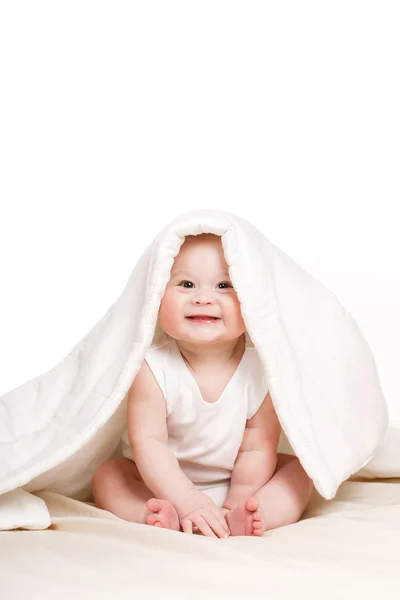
(145, 388)
(265, 420)
(147, 416)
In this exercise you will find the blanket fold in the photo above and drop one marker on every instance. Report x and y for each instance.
(57, 428)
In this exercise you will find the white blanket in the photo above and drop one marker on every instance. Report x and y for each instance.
(57, 428)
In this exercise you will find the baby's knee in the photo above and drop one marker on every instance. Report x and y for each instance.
(102, 477)
(295, 508)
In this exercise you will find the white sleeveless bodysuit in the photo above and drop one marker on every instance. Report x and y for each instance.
(205, 436)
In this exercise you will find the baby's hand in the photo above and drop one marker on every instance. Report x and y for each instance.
(196, 508)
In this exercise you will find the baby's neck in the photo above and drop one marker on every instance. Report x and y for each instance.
(213, 356)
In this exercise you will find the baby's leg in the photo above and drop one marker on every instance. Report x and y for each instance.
(281, 501)
(118, 487)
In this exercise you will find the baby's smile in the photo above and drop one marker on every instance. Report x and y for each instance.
(202, 319)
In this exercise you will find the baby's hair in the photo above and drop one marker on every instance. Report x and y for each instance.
(202, 237)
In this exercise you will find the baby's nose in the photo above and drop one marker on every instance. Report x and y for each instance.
(204, 297)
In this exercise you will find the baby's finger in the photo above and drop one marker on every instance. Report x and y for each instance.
(187, 526)
(224, 523)
(221, 519)
(215, 523)
(203, 526)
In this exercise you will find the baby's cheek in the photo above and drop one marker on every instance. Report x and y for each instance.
(237, 314)
(168, 312)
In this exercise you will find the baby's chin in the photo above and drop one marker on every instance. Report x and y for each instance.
(205, 334)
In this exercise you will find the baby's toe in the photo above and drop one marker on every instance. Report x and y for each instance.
(258, 525)
(151, 520)
(154, 505)
(252, 504)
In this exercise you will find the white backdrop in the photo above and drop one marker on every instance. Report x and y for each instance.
(117, 116)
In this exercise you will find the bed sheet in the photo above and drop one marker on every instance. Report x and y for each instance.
(348, 547)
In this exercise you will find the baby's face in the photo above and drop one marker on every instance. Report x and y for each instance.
(200, 285)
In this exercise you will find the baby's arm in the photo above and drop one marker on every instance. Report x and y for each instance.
(148, 437)
(158, 466)
(257, 457)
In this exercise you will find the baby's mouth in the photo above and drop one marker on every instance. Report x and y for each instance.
(203, 319)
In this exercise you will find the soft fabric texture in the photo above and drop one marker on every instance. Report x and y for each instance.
(18, 508)
(56, 429)
(205, 437)
(344, 549)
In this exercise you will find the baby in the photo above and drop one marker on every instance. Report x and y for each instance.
(200, 450)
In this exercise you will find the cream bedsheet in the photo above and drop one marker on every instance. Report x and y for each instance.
(348, 547)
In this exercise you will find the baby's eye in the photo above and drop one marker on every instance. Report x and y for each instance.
(183, 282)
(225, 283)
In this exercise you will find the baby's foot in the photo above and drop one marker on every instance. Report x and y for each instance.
(247, 519)
(162, 514)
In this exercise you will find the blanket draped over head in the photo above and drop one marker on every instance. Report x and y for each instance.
(56, 429)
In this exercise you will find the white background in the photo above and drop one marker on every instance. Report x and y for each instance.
(116, 117)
